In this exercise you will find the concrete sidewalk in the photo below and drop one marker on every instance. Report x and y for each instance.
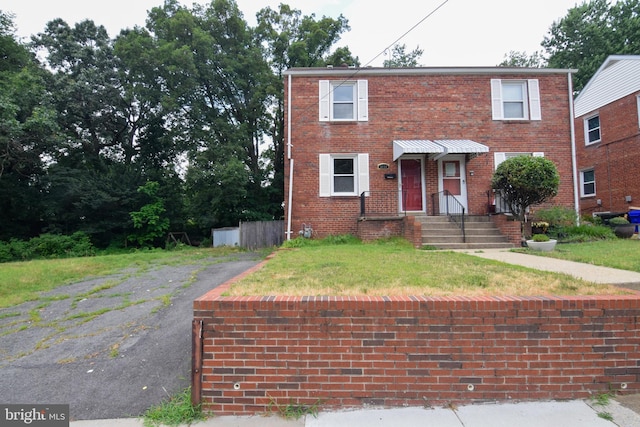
(575, 413)
(592, 273)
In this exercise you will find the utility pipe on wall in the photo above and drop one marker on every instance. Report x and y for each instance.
(574, 160)
(288, 233)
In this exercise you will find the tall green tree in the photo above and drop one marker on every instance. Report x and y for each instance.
(216, 81)
(290, 39)
(399, 57)
(523, 59)
(112, 126)
(589, 33)
(27, 130)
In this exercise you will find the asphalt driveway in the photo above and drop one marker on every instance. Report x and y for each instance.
(110, 347)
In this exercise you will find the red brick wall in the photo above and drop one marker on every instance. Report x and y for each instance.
(414, 106)
(615, 159)
(372, 228)
(508, 227)
(354, 351)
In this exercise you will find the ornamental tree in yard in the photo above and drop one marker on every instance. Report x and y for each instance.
(523, 181)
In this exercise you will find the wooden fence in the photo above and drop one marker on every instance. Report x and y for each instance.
(251, 235)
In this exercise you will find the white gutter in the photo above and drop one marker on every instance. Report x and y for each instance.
(574, 161)
(288, 233)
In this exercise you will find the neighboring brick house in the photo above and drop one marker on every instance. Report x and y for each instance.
(402, 136)
(607, 122)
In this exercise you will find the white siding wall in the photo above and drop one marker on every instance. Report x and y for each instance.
(618, 77)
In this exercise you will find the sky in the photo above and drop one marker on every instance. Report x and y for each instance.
(450, 32)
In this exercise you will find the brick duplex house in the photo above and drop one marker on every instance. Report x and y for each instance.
(369, 149)
(607, 122)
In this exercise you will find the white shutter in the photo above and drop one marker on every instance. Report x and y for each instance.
(585, 123)
(325, 175)
(363, 101)
(535, 112)
(363, 173)
(496, 99)
(325, 100)
(498, 158)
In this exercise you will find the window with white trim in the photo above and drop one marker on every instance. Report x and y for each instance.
(587, 183)
(515, 99)
(592, 129)
(501, 157)
(343, 174)
(344, 100)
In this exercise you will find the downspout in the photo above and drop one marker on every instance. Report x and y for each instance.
(288, 233)
(574, 160)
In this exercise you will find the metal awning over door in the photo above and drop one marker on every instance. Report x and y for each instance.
(437, 148)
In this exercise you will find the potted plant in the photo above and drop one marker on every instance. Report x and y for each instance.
(539, 227)
(622, 227)
(541, 242)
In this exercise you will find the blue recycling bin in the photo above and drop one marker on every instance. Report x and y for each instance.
(634, 218)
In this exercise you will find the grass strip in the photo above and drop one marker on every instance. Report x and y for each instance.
(398, 269)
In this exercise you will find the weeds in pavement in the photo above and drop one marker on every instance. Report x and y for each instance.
(177, 410)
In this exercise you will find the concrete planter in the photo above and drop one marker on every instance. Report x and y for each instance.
(542, 246)
(624, 231)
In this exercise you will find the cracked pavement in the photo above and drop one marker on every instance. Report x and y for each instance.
(111, 346)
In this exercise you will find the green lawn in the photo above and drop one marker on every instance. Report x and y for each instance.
(396, 268)
(389, 268)
(618, 253)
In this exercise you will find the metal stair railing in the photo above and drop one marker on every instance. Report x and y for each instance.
(445, 203)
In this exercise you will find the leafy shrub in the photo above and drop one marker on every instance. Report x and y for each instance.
(540, 238)
(47, 246)
(557, 216)
(618, 221)
(298, 242)
(586, 233)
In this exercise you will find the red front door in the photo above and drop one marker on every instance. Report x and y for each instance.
(411, 184)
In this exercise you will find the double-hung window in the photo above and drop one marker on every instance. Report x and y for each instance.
(344, 174)
(343, 100)
(587, 183)
(515, 99)
(592, 130)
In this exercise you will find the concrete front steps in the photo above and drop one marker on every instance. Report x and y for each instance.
(481, 232)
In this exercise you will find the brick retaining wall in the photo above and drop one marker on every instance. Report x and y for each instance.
(354, 351)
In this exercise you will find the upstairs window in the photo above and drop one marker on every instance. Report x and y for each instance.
(515, 99)
(592, 130)
(344, 100)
